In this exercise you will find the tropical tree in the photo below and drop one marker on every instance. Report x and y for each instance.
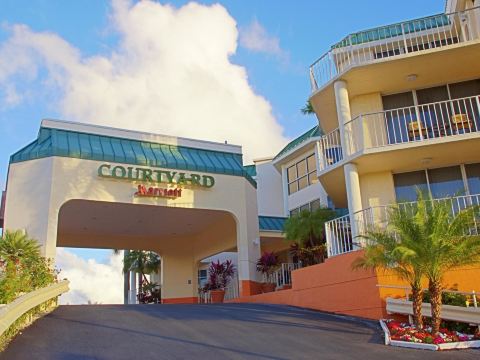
(425, 239)
(22, 269)
(307, 230)
(141, 262)
(307, 109)
(382, 251)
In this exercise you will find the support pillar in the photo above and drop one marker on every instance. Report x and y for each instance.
(343, 115)
(354, 198)
(133, 288)
(179, 277)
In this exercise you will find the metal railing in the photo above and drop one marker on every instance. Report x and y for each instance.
(343, 236)
(283, 275)
(414, 123)
(232, 290)
(384, 42)
(331, 149)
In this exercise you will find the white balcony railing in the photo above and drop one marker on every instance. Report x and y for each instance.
(375, 45)
(412, 124)
(342, 237)
(283, 275)
(330, 149)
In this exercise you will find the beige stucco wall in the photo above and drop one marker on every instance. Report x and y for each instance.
(269, 189)
(377, 189)
(38, 188)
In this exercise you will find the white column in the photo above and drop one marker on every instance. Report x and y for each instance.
(285, 190)
(354, 198)
(133, 288)
(343, 114)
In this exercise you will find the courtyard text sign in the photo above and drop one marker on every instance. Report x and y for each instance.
(131, 173)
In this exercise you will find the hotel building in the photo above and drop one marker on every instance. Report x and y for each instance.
(398, 109)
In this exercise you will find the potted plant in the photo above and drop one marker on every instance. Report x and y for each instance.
(219, 276)
(266, 265)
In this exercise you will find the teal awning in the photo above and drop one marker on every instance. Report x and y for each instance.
(271, 223)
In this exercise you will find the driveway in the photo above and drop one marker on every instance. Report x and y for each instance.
(226, 331)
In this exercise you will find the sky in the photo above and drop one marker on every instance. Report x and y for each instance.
(213, 70)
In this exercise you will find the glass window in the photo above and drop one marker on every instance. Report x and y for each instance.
(464, 89)
(473, 178)
(302, 183)
(292, 187)
(397, 101)
(302, 168)
(314, 205)
(311, 163)
(291, 173)
(406, 185)
(446, 182)
(312, 178)
(434, 94)
(294, 212)
(305, 207)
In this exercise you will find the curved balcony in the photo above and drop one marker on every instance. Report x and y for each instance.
(393, 41)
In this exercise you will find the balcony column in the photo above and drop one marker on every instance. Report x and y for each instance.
(354, 198)
(343, 113)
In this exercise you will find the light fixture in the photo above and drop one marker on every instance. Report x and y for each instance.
(411, 77)
(256, 241)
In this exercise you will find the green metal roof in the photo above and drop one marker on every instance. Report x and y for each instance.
(251, 170)
(67, 143)
(313, 132)
(271, 223)
(389, 31)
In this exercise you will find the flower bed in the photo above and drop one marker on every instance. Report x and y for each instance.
(406, 335)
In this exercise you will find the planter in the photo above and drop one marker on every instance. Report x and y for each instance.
(268, 287)
(471, 343)
(217, 296)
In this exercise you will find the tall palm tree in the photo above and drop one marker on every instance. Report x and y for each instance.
(448, 240)
(141, 262)
(307, 109)
(425, 239)
(16, 245)
(381, 252)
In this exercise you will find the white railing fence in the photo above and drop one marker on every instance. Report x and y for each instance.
(283, 275)
(368, 46)
(232, 290)
(330, 149)
(342, 237)
(415, 123)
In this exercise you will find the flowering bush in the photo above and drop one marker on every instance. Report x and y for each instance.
(406, 332)
(267, 263)
(219, 275)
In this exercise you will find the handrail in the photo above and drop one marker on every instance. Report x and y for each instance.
(402, 38)
(11, 312)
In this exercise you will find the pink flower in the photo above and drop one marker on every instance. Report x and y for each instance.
(438, 340)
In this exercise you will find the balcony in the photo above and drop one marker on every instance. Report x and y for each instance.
(395, 41)
(342, 237)
(403, 127)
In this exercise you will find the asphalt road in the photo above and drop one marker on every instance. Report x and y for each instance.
(226, 331)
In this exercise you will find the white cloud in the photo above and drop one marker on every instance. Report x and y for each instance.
(254, 37)
(90, 280)
(170, 73)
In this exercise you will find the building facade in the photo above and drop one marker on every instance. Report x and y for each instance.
(398, 110)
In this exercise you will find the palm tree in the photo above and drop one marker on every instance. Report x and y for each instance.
(448, 241)
(307, 229)
(307, 109)
(381, 252)
(141, 262)
(425, 239)
(16, 245)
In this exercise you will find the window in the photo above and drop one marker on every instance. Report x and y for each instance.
(202, 277)
(473, 178)
(406, 185)
(440, 183)
(311, 206)
(302, 174)
(445, 182)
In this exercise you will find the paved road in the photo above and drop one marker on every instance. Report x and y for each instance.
(227, 331)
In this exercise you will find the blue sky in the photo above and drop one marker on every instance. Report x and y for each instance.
(296, 34)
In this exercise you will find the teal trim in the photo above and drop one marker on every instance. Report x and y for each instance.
(313, 132)
(55, 142)
(271, 223)
(389, 31)
(251, 170)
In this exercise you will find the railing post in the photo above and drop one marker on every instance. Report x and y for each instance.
(404, 39)
(474, 297)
